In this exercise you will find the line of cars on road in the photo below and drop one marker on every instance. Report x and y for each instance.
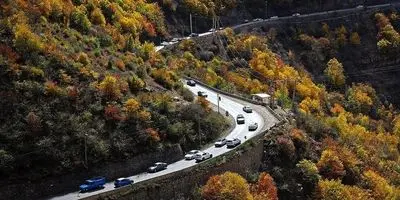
(97, 183)
(197, 155)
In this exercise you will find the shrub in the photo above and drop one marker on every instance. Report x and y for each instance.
(355, 39)
(204, 103)
(98, 17)
(79, 20)
(309, 171)
(188, 95)
(6, 162)
(120, 64)
(51, 88)
(34, 122)
(36, 72)
(83, 58)
(165, 77)
(136, 83)
(25, 40)
(112, 112)
(380, 186)
(110, 88)
(330, 166)
(132, 107)
(187, 45)
(153, 134)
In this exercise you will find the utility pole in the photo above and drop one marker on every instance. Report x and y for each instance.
(198, 127)
(86, 162)
(294, 95)
(191, 28)
(266, 9)
(219, 99)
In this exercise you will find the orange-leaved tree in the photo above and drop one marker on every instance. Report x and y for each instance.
(265, 188)
(226, 186)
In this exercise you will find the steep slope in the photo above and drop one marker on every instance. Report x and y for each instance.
(76, 76)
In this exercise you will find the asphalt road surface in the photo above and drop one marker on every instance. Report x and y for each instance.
(227, 103)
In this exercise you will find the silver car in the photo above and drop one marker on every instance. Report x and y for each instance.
(191, 154)
(220, 142)
(202, 156)
(231, 143)
(247, 109)
(158, 166)
(253, 126)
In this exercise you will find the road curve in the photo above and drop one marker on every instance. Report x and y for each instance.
(234, 107)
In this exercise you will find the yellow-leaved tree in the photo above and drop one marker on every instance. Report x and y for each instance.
(334, 73)
(226, 186)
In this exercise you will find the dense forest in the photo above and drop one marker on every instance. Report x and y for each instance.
(77, 70)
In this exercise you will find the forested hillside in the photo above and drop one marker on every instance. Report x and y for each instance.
(82, 70)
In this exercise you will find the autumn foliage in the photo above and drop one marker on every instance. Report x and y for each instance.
(226, 186)
(232, 186)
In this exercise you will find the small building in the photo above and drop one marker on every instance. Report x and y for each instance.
(261, 97)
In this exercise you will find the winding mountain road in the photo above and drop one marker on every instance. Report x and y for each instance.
(234, 106)
(260, 115)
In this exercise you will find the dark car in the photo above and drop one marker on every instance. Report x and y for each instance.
(220, 142)
(247, 109)
(122, 182)
(231, 143)
(93, 184)
(157, 167)
(191, 83)
(193, 35)
(240, 119)
(202, 94)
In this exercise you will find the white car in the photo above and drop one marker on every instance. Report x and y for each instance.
(191, 154)
(202, 156)
(360, 7)
(247, 109)
(253, 126)
(211, 30)
(296, 14)
(274, 17)
(220, 142)
(240, 119)
(165, 43)
(202, 94)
